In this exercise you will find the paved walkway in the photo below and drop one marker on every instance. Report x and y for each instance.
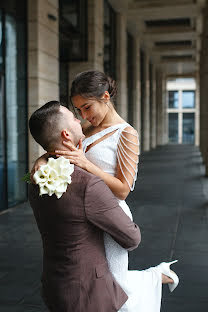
(171, 207)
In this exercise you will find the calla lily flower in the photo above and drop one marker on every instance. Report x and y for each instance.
(54, 177)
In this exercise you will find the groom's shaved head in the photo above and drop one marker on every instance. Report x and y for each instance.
(46, 124)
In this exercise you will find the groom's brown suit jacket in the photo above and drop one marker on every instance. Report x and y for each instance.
(75, 274)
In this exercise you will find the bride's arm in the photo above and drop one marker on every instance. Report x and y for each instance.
(127, 155)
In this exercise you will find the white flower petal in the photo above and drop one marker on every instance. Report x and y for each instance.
(53, 174)
(39, 177)
(52, 162)
(61, 188)
(50, 186)
(43, 190)
(58, 194)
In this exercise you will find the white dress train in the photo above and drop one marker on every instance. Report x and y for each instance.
(144, 288)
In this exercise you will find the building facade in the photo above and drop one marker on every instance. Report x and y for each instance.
(45, 43)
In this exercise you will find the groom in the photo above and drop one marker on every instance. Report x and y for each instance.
(76, 277)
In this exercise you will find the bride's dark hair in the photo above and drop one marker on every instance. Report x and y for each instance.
(93, 84)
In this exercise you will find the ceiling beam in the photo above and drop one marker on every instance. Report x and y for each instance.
(185, 75)
(173, 49)
(159, 3)
(176, 36)
(168, 29)
(164, 12)
(182, 59)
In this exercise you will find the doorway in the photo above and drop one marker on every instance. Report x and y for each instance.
(181, 116)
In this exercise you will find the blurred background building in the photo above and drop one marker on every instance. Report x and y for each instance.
(157, 50)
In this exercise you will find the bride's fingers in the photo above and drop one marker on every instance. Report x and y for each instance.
(80, 144)
(69, 145)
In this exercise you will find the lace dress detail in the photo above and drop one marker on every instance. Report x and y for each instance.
(119, 151)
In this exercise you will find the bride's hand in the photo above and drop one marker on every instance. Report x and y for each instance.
(39, 162)
(75, 155)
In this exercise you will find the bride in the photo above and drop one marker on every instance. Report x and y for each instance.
(110, 150)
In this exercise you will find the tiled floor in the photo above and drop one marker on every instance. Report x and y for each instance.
(170, 205)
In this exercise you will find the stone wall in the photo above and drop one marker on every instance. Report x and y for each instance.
(43, 64)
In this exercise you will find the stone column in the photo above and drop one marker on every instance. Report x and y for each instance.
(137, 88)
(203, 92)
(121, 69)
(165, 113)
(95, 41)
(146, 110)
(161, 112)
(153, 116)
(43, 64)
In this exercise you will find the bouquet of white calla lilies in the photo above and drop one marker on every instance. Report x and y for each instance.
(54, 177)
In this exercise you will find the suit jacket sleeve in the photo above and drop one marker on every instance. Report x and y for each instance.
(103, 210)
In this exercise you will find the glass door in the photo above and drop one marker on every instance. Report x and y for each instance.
(188, 128)
(173, 127)
(3, 184)
(13, 108)
(16, 111)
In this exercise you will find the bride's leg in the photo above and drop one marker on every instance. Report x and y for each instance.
(168, 276)
(166, 279)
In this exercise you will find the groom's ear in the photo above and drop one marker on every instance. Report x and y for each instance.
(66, 135)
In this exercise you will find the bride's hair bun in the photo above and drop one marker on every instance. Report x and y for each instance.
(112, 87)
(93, 84)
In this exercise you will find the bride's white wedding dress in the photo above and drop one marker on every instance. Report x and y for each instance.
(144, 288)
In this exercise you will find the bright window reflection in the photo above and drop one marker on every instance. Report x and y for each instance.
(173, 99)
(16, 109)
(188, 128)
(188, 99)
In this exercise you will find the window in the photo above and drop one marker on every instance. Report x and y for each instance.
(173, 127)
(109, 40)
(173, 99)
(73, 30)
(181, 103)
(64, 83)
(188, 99)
